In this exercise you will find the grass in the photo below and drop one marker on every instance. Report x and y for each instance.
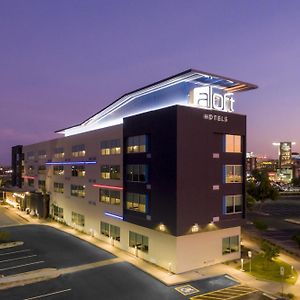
(270, 270)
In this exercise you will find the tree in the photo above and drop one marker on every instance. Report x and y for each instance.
(260, 188)
(270, 251)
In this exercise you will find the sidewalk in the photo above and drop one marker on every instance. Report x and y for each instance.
(175, 279)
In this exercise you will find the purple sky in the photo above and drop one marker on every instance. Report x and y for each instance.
(61, 61)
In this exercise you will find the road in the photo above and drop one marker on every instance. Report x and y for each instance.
(8, 217)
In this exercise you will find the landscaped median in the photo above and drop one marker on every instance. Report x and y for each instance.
(263, 269)
(28, 277)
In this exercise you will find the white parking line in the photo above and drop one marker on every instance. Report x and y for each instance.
(20, 266)
(49, 294)
(13, 252)
(18, 258)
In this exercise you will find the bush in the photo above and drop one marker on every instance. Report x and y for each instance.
(296, 238)
(260, 225)
(270, 251)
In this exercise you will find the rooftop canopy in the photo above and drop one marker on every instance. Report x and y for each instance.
(167, 92)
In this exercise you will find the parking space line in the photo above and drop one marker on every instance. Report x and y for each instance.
(17, 258)
(226, 293)
(13, 252)
(49, 294)
(20, 266)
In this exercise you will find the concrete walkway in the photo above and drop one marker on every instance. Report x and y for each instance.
(167, 278)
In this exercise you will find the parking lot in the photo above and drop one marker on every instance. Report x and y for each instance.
(47, 247)
(275, 215)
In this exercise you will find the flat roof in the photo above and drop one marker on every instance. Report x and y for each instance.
(191, 75)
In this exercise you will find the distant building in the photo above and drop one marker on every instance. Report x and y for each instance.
(251, 162)
(159, 173)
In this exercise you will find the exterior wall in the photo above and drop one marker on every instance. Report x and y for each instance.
(182, 173)
(201, 183)
(199, 250)
(160, 127)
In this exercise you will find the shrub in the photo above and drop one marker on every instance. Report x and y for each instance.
(260, 225)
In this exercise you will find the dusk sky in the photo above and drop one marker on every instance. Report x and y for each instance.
(62, 61)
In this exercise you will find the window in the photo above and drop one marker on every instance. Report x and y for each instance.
(58, 187)
(233, 204)
(230, 244)
(78, 219)
(111, 147)
(59, 152)
(110, 230)
(58, 212)
(42, 169)
(136, 202)
(78, 190)
(30, 155)
(110, 172)
(109, 196)
(233, 173)
(78, 150)
(58, 170)
(139, 241)
(42, 154)
(137, 144)
(78, 171)
(233, 143)
(42, 184)
(30, 182)
(137, 173)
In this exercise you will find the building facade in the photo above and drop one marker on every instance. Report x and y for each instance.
(159, 173)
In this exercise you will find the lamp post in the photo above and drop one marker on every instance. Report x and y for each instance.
(242, 265)
(250, 256)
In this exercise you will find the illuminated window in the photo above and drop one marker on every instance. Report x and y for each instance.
(42, 169)
(59, 152)
(233, 173)
(110, 172)
(137, 144)
(136, 202)
(42, 184)
(233, 143)
(78, 219)
(111, 147)
(78, 151)
(233, 204)
(137, 173)
(110, 230)
(58, 187)
(139, 241)
(58, 212)
(58, 170)
(110, 196)
(78, 171)
(42, 154)
(78, 190)
(230, 244)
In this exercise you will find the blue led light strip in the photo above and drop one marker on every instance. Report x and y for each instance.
(113, 215)
(71, 163)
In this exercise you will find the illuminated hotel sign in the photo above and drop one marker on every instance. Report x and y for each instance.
(213, 117)
(211, 98)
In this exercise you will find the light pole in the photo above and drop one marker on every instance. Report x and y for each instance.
(250, 256)
(242, 265)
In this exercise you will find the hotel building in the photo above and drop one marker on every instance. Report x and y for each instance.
(159, 173)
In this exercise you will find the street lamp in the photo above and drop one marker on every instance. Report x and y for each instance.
(250, 256)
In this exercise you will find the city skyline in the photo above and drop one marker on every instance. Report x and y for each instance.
(63, 61)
